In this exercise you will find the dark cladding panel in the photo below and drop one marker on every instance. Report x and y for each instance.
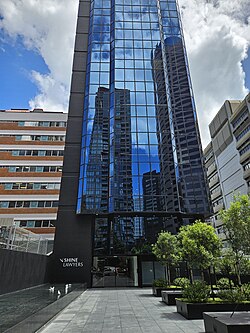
(80, 59)
(72, 257)
(76, 105)
(81, 41)
(82, 25)
(73, 245)
(84, 8)
(74, 131)
(68, 198)
(78, 82)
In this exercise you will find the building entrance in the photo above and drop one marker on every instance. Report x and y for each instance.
(115, 271)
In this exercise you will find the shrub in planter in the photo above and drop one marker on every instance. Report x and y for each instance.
(160, 283)
(245, 288)
(181, 282)
(225, 283)
(198, 292)
(232, 295)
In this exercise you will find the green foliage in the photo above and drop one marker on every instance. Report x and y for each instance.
(231, 295)
(224, 283)
(225, 265)
(245, 265)
(166, 248)
(145, 248)
(245, 288)
(236, 224)
(166, 251)
(161, 283)
(199, 244)
(181, 282)
(198, 292)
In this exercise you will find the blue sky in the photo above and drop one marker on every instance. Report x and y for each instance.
(36, 48)
(16, 86)
(246, 67)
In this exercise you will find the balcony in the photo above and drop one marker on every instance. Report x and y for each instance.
(214, 181)
(244, 156)
(243, 140)
(216, 194)
(246, 174)
(219, 207)
(212, 168)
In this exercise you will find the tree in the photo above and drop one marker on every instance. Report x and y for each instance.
(166, 251)
(199, 245)
(236, 226)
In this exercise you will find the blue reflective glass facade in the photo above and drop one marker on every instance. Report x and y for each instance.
(141, 153)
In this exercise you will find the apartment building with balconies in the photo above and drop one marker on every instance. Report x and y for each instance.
(227, 156)
(31, 160)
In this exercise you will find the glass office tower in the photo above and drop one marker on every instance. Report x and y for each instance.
(141, 168)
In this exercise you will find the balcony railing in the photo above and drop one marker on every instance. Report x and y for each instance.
(19, 239)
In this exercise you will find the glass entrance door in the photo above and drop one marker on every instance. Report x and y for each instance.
(114, 272)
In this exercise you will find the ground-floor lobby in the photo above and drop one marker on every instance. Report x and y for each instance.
(120, 310)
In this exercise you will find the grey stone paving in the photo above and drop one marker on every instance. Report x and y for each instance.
(121, 311)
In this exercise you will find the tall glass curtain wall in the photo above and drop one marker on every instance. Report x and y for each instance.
(140, 144)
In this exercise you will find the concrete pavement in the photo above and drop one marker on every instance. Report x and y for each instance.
(120, 311)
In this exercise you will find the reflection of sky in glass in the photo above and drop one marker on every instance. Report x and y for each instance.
(131, 128)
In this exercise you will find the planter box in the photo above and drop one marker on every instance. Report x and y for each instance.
(157, 290)
(221, 322)
(195, 310)
(169, 297)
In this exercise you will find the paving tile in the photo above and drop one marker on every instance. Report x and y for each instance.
(121, 311)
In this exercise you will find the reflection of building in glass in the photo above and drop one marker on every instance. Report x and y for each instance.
(100, 172)
(152, 203)
(98, 159)
(182, 171)
(138, 220)
(139, 136)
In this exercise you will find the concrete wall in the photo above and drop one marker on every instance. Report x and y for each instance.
(231, 174)
(19, 270)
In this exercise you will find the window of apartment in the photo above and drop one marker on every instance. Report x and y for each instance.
(28, 204)
(246, 166)
(245, 131)
(30, 224)
(38, 137)
(31, 186)
(35, 168)
(37, 152)
(239, 120)
(36, 223)
(40, 123)
(245, 149)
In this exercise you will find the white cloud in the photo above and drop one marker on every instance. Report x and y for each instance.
(48, 27)
(217, 34)
(217, 37)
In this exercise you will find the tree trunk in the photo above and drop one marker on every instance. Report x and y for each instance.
(237, 268)
(202, 275)
(168, 274)
(215, 277)
(211, 282)
(191, 276)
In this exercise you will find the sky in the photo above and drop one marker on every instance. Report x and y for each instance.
(36, 52)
